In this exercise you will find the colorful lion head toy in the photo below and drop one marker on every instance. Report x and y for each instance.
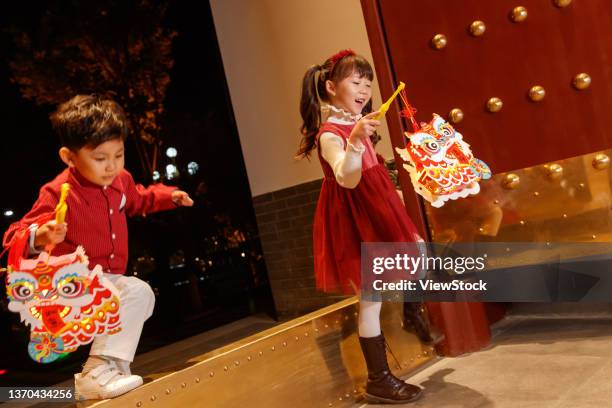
(64, 303)
(441, 164)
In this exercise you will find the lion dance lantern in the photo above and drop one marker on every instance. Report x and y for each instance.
(65, 303)
(440, 163)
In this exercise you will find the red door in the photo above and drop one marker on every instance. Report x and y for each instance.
(557, 40)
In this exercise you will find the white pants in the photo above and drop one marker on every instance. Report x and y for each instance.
(137, 301)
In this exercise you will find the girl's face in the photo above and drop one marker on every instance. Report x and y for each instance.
(351, 94)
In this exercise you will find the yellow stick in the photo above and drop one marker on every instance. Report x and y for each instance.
(62, 207)
(60, 214)
(385, 106)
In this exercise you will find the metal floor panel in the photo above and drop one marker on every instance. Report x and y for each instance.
(312, 361)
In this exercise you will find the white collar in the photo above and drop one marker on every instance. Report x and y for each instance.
(330, 113)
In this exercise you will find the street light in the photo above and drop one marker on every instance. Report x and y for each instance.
(192, 168)
(171, 171)
(171, 152)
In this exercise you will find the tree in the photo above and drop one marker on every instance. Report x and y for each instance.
(118, 48)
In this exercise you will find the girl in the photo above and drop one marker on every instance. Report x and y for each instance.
(358, 203)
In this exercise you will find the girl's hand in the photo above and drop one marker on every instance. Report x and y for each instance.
(181, 198)
(364, 128)
(50, 233)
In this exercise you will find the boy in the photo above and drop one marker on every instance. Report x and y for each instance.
(92, 131)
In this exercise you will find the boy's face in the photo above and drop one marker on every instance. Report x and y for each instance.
(99, 165)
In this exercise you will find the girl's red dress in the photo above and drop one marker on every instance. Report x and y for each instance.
(371, 212)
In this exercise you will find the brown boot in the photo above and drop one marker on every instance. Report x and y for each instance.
(383, 387)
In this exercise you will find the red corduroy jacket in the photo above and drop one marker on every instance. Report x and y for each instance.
(96, 217)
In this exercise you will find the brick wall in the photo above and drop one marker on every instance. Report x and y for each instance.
(284, 219)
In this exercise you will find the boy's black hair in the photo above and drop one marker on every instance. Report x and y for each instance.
(89, 120)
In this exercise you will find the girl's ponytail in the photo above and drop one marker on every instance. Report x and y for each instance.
(310, 109)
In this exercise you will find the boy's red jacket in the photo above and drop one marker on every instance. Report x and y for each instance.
(96, 216)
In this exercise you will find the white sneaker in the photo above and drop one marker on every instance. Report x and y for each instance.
(123, 366)
(104, 381)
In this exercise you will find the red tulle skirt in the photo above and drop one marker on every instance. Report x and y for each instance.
(344, 218)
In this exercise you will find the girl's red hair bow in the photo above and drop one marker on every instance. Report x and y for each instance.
(338, 56)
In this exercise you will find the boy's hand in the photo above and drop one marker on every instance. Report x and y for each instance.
(50, 233)
(364, 128)
(181, 198)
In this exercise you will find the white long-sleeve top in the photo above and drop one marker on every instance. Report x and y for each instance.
(346, 162)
